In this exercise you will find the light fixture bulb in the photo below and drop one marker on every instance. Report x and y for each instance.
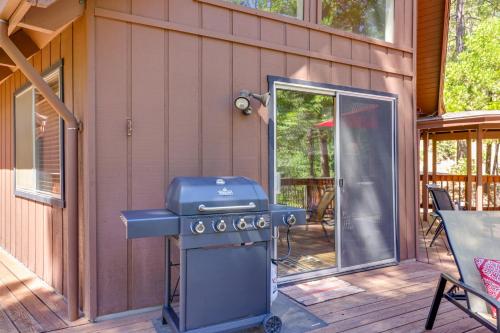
(242, 103)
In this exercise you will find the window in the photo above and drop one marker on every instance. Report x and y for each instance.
(372, 18)
(293, 8)
(38, 144)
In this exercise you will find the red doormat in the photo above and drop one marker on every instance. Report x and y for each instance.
(317, 291)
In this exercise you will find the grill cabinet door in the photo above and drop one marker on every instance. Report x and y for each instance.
(226, 283)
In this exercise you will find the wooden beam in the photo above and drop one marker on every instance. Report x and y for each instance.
(5, 60)
(447, 136)
(27, 47)
(425, 179)
(4, 73)
(17, 16)
(479, 169)
(468, 185)
(49, 20)
(24, 43)
(3, 4)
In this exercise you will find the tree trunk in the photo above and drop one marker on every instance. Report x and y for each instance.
(461, 149)
(460, 27)
(325, 159)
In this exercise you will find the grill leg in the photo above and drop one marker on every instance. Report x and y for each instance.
(435, 304)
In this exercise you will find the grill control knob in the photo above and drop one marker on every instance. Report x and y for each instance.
(291, 219)
(220, 226)
(241, 224)
(198, 227)
(261, 223)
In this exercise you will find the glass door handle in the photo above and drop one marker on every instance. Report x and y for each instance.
(341, 182)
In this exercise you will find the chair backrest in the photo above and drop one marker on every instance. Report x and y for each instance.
(323, 204)
(441, 198)
(472, 235)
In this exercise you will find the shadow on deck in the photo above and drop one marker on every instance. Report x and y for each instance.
(396, 299)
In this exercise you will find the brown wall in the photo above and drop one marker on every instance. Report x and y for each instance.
(174, 67)
(31, 231)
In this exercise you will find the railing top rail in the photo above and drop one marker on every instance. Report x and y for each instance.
(452, 177)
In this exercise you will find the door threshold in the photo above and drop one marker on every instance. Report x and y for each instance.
(301, 277)
(307, 276)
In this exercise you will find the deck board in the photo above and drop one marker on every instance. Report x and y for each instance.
(396, 300)
(43, 315)
(16, 313)
(6, 324)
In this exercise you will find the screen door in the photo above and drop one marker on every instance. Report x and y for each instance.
(365, 184)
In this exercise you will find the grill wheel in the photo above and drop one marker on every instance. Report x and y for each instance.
(272, 324)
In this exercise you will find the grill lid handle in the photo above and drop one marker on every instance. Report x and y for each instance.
(203, 208)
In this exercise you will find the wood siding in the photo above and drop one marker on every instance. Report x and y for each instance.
(173, 67)
(33, 232)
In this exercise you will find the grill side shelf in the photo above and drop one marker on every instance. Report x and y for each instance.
(150, 223)
(279, 213)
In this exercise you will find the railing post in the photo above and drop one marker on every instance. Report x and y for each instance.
(425, 180)
(479, 169)
(434, 157)
(468, 186)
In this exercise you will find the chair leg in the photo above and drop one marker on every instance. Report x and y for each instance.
(324, 229)
(430, 227)
(439, 228)
(325, 232)
(435, 304)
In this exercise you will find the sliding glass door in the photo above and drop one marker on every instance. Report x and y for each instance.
(366, 181)
(333, 154)
(305, 177)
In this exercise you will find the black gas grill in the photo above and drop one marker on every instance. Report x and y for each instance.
(218, 252)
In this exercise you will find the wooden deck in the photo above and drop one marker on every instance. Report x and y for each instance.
(397, 299)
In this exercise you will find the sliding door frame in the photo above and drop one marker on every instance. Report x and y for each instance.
(283, 83)
(339, 197)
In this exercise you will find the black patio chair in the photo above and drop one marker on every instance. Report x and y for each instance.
(470, 235)
(441, 200)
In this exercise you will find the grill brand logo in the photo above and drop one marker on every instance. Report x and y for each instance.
(225, 192)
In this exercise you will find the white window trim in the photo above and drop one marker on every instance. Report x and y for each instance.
(36, 195)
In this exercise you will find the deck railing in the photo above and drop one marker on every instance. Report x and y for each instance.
(307, 192)
(304, 192)
(456, 185)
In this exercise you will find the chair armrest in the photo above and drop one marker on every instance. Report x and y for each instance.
(479, 293)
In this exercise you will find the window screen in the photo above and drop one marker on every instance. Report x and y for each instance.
(372, 18)
(293, 8)
(38, 143)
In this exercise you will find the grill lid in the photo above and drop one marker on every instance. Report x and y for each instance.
(215, 195)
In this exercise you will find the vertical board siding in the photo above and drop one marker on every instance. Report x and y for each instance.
(147, 262)
(32, 231)
(178, 89)
(112, 50)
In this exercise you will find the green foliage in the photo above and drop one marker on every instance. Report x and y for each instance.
(366, 17)
(285, 7)
(297, 115)
(475, 11)
(473, 78)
